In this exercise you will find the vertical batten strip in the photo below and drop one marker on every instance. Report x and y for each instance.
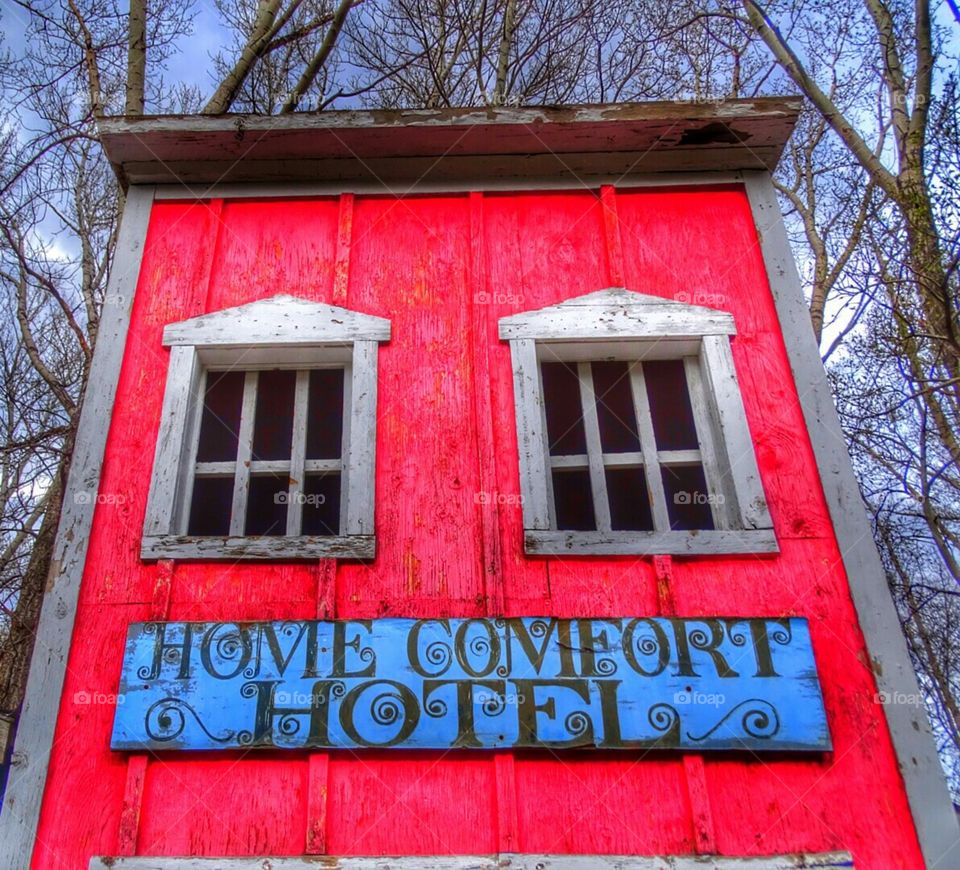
(241, 480)
(598, 479)
(489, 509)
(611, 229)
(648, 445)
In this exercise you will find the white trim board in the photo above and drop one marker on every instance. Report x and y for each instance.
(503, 861)
(31, 753)
(933, 813)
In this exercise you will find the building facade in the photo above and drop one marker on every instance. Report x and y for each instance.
(463, 489)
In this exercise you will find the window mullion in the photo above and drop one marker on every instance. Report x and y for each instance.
(598, 480)
(298, 454)
(648, 446)
(241, 483)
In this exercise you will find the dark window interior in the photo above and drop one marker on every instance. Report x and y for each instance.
(688, 500)
(268, 500)
(561, 396)
(670, 408)
(210, 507)
(220, 421)
(629, 500)
(267, 504)
(615, 413)
(321, 504)
(574, 500)
(325, 414)
(273, 421)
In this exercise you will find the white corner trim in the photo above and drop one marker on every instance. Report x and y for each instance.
(31, 755)
(617, 313)
(281, 319)
(933, 813)
(502, 861)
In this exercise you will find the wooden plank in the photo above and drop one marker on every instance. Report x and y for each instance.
(934, 815)
(736, 441)
(179, 397)
(531, 435)
(501, 861)
(281, 319)
(185, 547)
(598, 480)
(132, 803)
(732, 134)
(611, 227)
(373, 684)
(397, 175)
(300, 189)
(361, 467)
(676, 543)
(297, 465)
(31, 753)
(648, 444)
(241, 480)
(481, 329)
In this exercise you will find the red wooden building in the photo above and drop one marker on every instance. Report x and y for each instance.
(500, 363)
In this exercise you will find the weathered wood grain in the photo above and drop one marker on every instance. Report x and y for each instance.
(502, 861)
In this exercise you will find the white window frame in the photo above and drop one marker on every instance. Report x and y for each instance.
(617, 323)
(280, 332)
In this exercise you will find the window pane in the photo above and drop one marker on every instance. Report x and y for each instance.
(220, 421)
(670, 405)
(561, 397)
(629, 501)
(321, 505)
(615, 414)
(210, 506)
(573, 499)
(688, 499)
(325, 414)
(273, 422)
(267, 504)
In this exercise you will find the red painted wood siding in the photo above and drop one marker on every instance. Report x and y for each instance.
(444, 269)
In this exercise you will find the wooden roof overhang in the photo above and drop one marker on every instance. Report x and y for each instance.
(446, 145)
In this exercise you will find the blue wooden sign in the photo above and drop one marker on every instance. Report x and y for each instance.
(624, 683)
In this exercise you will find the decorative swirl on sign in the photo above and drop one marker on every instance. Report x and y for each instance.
(386, 708)
(736, 632)
(577, 723)
(606, 667)
(783, 635)
(438, 653)
(230, 645)
(436, 708)
(166, 720)
(664, 718)
(493, 704)
(338, 689)
(289, 724)
(249, 690)
(760, 721)
(538, 628)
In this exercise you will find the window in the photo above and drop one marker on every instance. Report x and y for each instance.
(631, 430)
(267, 435)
